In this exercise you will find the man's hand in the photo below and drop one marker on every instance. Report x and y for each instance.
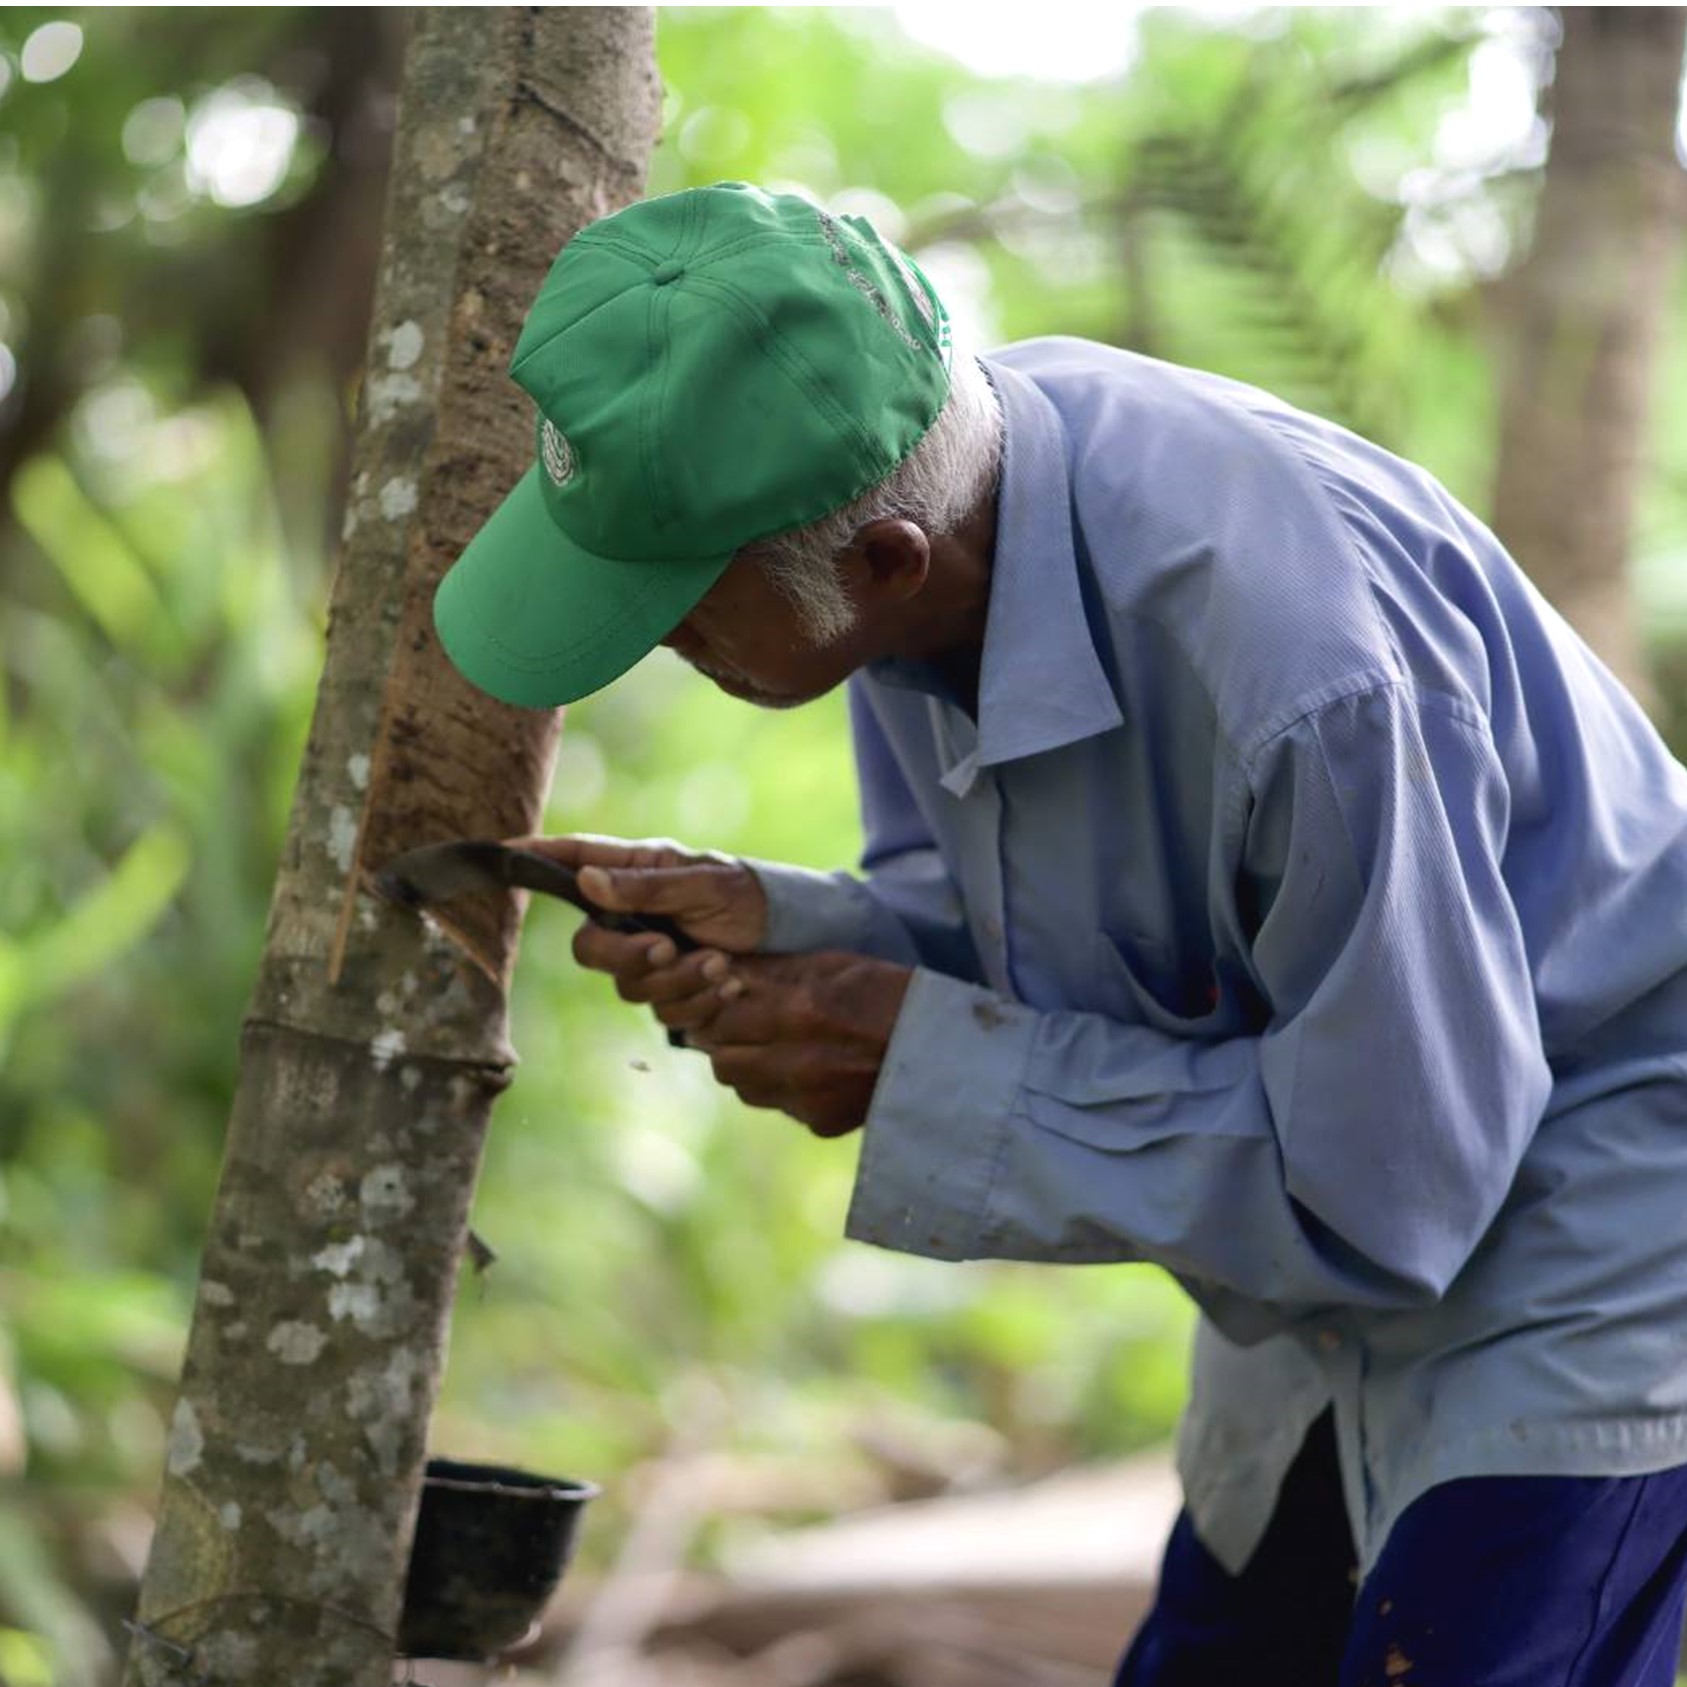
(806, 1034)
(803, 1033)
(713, 898)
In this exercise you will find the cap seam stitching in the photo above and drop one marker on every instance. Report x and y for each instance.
(689, 228)
(652, 408)
(759, 238)
(567, 327)
(616, 243)
(688, 215)
(798, 370)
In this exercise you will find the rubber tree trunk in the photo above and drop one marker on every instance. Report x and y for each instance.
(375, 1041)
(1581, 318)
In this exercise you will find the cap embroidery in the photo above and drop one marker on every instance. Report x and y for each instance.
(937, 319)
(862, 282)
(915, 291)
(556, 453)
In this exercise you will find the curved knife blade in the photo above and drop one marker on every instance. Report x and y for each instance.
(466, 866)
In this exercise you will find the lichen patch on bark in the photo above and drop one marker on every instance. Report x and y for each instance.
(342, 838)
(398, 498)
(186, 1445)
(392, 393)
(387, 1046)
(404, 345)
(374, 1293)
(385, 1194)
(294, 1343)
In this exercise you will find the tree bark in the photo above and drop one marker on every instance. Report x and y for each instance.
(1581, 318)
(376, 1042)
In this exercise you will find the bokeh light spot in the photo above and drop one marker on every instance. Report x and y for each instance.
(714, 134)
(1063, 42)
(961, 276)
(240, 142)
(884, 214)
(1680, 130)
(152, 132)
(50, 51)
(986, 124)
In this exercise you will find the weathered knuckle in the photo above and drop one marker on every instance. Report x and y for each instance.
(684, 1013)
(590, 949)
(658, 852)
(666, 984)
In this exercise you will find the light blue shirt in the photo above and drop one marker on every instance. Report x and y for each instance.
(1305, 911)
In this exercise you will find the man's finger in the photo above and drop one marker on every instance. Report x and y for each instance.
(690, 1013)
(581, 849)
(619, 952)
(678, 890)
(660, 982)
(596, 849)
(747, 1016)
(761, 1077)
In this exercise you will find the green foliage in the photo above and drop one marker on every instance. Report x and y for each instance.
(1249, 196)
(25, 1659)
(161, 656)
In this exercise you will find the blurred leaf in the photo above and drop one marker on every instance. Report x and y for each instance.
(25, 1659)
(107, 921)
(106, 576)
(32, 1594)
(68, 1326)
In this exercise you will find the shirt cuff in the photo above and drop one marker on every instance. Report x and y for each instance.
(940, 1118)
(807, 910)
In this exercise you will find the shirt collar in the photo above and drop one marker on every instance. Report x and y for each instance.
(1041, 684)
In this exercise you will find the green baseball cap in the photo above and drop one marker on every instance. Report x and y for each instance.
(710, 367)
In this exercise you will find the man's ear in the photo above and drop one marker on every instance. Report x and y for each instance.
(891, 559)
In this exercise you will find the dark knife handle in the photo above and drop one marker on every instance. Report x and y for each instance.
(552, 878)
(528, 870)
(612, 921)
(533, 871)
(648, 922)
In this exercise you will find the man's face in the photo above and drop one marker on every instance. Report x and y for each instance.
(746, 636)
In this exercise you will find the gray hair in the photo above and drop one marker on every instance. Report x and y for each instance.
(937, 486)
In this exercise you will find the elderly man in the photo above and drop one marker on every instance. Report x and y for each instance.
(1260, 880)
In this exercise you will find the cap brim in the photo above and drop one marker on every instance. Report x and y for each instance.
(527, 615)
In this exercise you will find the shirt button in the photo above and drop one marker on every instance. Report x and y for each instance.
(1329, 1340)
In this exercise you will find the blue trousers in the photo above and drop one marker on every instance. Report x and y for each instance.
(1495, 1581)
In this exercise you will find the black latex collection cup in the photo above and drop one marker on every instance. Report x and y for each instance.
(491, 1544)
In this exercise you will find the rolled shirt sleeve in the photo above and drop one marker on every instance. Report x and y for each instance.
(905, 909)
(1354, 1152)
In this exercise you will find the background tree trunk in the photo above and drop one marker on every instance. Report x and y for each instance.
(1581, 318)
(375, 1041)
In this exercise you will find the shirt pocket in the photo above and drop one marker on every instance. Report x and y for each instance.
(1141, 983)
